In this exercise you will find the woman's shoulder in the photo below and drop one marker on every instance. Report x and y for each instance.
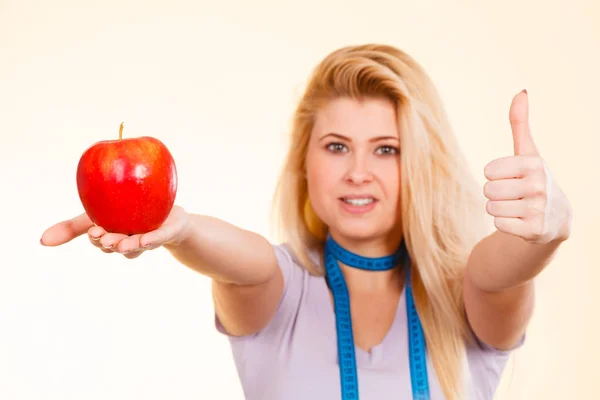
(297, 264)
(486, 366)
(483, 357)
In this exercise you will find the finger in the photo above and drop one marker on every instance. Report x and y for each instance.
(94, 241)
(129, 244)
(95, 232)
(512, 226)
(512, 167)
(520, 228)
(505, 189)
(506, 208)
(133, 254)
(519, 122)
(65, 231)
(94, 235)
(111, 240)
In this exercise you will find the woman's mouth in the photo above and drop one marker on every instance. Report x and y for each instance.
(358, 205)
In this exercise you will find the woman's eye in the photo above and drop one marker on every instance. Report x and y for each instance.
(337, 147)
(387, 150)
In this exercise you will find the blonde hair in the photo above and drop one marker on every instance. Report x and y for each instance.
(439, 196)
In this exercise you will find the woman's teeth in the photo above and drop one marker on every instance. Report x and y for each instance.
(359, 202)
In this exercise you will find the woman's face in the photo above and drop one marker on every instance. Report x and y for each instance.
(353, 170)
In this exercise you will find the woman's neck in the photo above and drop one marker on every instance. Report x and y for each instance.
(365, 281)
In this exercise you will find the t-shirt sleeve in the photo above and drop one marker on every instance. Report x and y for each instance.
(294, 280)
(487, 364)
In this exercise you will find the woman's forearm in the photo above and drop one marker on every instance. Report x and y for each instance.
(225, 252)
(502, 261)
(499, 286)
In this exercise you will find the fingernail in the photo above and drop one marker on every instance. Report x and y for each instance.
(524, 91)
(42, 243)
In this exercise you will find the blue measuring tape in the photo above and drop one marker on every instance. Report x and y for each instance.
(334, 253)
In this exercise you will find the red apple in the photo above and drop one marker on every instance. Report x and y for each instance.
(128, 185)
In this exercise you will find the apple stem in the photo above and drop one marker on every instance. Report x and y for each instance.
(121, 131)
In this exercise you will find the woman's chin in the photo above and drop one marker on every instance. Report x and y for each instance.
(358, 230)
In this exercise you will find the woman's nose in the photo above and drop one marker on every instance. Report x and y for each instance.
(359, 171)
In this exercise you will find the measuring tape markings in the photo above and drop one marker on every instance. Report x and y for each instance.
(343, 319)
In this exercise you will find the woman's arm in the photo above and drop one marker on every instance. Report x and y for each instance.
(247, 283)
(533, 218)
(224, 252)
(499, 288)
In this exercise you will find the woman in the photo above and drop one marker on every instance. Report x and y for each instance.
(383, 288)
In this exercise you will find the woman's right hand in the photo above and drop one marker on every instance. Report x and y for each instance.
(172, 232)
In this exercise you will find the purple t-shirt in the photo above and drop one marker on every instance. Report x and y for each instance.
(295, 356)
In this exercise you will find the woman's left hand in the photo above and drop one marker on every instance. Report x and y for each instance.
(524, 198)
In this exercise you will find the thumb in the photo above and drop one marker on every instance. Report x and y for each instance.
(66, 231)
(519, 123)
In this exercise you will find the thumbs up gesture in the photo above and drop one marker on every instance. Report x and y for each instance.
(523, 197)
